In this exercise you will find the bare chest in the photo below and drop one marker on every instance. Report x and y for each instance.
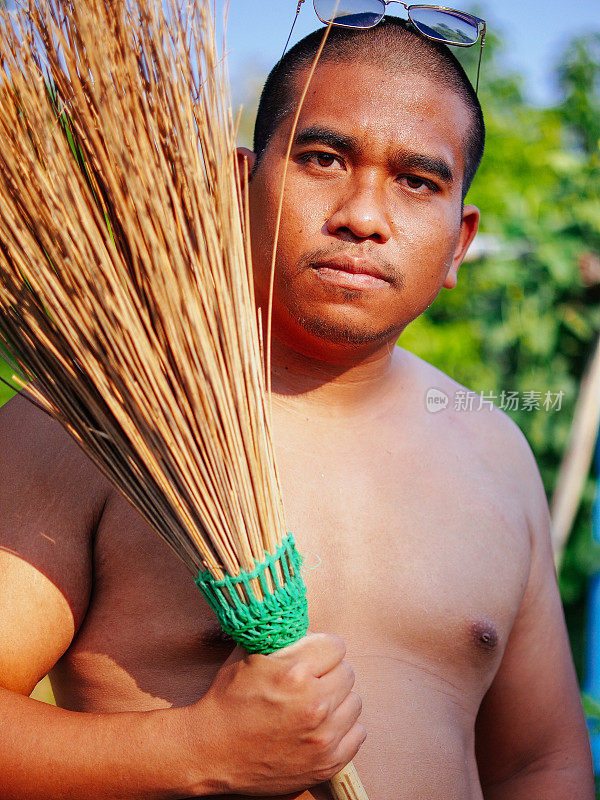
(416, 557)
(416, 550)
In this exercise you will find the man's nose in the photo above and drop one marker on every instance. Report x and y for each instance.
(361, 213)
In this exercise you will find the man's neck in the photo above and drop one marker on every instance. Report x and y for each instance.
(303, 381)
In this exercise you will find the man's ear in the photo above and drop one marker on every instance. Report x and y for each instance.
(468, 229)
(245, 156)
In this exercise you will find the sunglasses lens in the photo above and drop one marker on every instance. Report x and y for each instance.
(445, 26)
(350, 13)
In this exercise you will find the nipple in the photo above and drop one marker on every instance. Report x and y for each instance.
(484, 635)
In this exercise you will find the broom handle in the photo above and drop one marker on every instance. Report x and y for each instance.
(346, 785)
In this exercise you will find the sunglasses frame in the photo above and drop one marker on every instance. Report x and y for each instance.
(480, 24)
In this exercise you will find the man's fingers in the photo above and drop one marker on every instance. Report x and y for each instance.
(349, 746)
(321, 652)
(346, 715)
(337, 684)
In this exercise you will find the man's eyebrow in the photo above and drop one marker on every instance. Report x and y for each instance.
(402, 160)
(315, 134)
(406, 160)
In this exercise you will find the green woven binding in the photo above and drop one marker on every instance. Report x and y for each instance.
(270, 624)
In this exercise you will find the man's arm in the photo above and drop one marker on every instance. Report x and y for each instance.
(50, 499)
(268, 724)
(531, 737)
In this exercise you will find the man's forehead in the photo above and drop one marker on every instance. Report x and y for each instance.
(368, 104)
(366, 88)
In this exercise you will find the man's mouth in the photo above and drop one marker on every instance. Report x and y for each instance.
(351, 272)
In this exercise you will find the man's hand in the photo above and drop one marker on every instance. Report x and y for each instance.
(279, 723)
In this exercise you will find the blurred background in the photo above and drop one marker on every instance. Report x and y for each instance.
(525, 316)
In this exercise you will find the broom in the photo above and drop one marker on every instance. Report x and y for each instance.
(126, 290)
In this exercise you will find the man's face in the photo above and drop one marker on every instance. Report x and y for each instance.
(371, 227)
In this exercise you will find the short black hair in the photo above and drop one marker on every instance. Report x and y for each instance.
(394, 44)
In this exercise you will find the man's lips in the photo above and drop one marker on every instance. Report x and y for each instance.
(351, 272)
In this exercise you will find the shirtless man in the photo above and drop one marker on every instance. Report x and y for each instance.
(430, 531)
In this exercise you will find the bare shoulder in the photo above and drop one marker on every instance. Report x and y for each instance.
(51, 499)
(484, 429)
(36, 450)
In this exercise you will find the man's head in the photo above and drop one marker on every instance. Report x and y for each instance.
(389, 135)
(395, 47)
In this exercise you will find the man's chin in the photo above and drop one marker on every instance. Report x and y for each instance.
(345, 334)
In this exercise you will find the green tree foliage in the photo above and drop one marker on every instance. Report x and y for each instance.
(579, 78)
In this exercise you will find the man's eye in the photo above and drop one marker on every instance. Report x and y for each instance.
(419, 184)
(325, 160)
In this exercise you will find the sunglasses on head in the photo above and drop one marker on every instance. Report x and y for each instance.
(446, 25)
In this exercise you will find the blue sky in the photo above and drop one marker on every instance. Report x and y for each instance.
(533, 31)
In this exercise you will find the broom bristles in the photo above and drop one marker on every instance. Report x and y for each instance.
(125, 284)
